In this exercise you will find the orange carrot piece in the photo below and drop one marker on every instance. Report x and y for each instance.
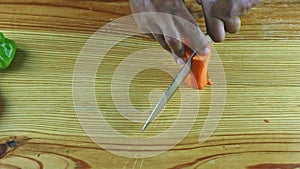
(197, 78)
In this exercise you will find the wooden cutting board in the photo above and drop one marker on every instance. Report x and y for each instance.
(259, 127)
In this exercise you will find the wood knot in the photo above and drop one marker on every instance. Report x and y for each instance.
(7, 145)
(12, 143)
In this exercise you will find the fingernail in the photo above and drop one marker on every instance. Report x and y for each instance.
(206, 51)
(179, 61)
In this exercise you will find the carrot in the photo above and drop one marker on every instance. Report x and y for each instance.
(198, 76)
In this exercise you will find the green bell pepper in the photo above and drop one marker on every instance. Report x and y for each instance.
(8, 50)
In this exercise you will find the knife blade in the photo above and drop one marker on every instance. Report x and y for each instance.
(177, 81)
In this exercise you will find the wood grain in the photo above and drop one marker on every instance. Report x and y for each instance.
(259, 127)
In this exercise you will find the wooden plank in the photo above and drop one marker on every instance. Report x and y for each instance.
(259, 127)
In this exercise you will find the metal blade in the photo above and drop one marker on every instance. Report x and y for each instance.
(182, 74)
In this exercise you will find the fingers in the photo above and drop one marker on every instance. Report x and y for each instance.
(224, 16)
(161, 40)
(215, 29)
(166, 33)
(190, 31)
(173, 39)
(232, 8)
(177, 48)
(171, 45)
(168, 30)
(232, 25)
(215, 26)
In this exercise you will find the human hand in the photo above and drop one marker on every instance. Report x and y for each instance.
(223, 16)
(159, 26)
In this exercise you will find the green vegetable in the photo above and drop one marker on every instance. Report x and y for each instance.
(7, 51)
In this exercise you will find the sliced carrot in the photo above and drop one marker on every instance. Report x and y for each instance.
(198, 77)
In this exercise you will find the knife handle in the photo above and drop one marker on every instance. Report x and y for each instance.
(198, 77)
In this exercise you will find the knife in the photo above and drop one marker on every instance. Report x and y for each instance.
(177, 81)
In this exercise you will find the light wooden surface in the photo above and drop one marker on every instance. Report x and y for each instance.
(259, 128)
